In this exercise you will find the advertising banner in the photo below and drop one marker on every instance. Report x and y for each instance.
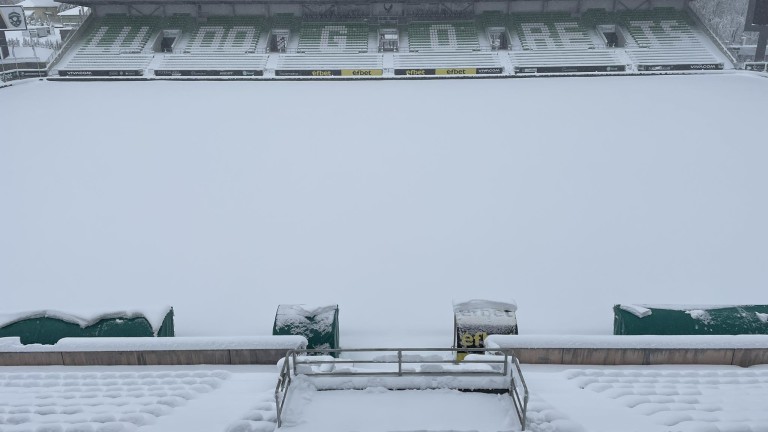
(209, 73)
(568, 69)
(100, 73)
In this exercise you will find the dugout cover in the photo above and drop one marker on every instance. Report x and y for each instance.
(475, 319)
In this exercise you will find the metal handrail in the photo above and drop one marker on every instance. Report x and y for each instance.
(521, 406)
(400, 361)
(296, 358)
(281, 389)
(718, 43)
(73, 38)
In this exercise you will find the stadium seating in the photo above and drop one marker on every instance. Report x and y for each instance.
(285, 21)
(564, 59)
(553, 42)
(443, 36)
(432, 60)
(551, 31)
(221, 62)
(330, 61)
(671, 56)
(658, 28)
(226, 35)
(333, 38)
(124, 62)
(115, 34)
(491, 19)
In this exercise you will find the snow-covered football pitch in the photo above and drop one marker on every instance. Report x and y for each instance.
(392, 199)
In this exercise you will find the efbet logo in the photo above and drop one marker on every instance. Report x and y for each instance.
(15, 19)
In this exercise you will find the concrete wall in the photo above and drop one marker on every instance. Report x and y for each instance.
(621, 356)
(142, 358)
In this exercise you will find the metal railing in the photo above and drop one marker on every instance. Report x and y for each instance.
(73, 38)
(718, 43)
(401, 362)
(521, 404)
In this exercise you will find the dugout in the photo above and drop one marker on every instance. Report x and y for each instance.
(474, 320)
(49, 326)
(690, 320)
(319, 325)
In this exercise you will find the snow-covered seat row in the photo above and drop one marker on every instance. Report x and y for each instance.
(432, 60)
(213, 61)
(685, 58)
(545, 61)
(333, 37)
(330, 61)
(443, 35)
(226, 34)
(551, 31)
(82, 61)
(120, 34)
(658, 28)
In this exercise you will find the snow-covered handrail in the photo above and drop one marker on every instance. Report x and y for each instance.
(404, 368)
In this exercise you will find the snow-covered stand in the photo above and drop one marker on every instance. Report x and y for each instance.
(690, 319)
(50, 326)
(404, 369)
(320, 325)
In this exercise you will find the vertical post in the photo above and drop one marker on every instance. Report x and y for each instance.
(399, 363)
(762, 42)
(3, 46)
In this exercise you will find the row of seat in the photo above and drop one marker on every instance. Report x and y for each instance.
(443, 35)
(535, 31)
(333, 37)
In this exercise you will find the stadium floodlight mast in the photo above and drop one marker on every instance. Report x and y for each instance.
(757, 21)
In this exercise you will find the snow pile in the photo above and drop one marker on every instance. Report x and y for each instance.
(762, 317)
(701, 315)
(637, 310)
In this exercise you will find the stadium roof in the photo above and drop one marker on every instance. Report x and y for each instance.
(328, 2)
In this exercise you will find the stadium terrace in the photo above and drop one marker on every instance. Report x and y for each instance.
(369, 39)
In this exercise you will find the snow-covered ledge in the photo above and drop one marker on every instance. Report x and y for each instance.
(741, 350)
(146, 351)
(628, 342)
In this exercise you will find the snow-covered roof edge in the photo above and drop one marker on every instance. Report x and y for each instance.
(628, 342)
(684, 307)
(155, 316)
(484, 304)
(13, 344)
(304, 310)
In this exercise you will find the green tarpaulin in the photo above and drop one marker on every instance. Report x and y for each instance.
(690, 320)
